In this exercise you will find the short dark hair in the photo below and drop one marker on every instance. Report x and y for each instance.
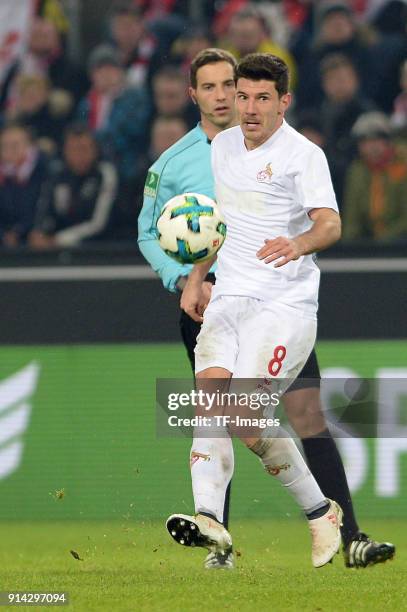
(252, 12)
(171, 73)
(210, 56)
(125, 7)
(333, 61)
(259, 66)
(79, 129)
(15, 124)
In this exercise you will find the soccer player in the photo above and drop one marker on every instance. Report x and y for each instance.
(186, 167)
(275, 192)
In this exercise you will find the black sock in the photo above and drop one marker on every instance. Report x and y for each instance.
(225, 521)
(326, 465)
(226, 507)
(317, 513)
(211, 516)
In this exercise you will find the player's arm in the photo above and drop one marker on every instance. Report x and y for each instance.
(314, 192)
(196, 292)
(159, 188)
(325, 231)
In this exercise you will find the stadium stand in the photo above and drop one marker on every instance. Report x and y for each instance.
(135, 80)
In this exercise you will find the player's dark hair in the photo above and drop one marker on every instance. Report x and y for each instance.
(209, 56)
(259, 66)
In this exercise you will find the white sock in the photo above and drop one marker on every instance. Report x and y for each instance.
(282, 459)
(212, 464)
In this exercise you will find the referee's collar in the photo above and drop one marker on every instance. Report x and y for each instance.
(204, 136)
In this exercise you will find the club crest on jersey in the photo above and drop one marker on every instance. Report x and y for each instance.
(264, 176)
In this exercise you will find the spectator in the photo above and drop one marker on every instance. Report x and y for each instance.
(77, 201)
(277, 22)
(189, 44)
(46, 56)
(15, 21)
(166, 19)
(23, 170)
(165, 131)
(297, 13)
(223, 13)
(309, 125)
(341, 105)
(156, 9)
(248, 32)
(117, 114)
(53, 10)
(170, 93)
(376, 183)
(336, 31)
(399, 116)
(45, 112)
(135, 46)
(301, 16)
(390, 53)
(390, 16)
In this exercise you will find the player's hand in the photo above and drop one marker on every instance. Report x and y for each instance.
(194, 299)
(282, 249)
(206, 292)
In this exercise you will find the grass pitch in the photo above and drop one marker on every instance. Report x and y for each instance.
(136, 566)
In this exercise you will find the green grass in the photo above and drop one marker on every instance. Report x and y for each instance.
(135, 566)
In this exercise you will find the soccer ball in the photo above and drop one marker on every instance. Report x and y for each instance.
(190, 228)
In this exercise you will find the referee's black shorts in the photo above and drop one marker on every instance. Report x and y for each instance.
(309, 376)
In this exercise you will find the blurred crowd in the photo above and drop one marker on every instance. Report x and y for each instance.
(76, 140)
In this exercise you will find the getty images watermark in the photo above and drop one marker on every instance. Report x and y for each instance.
(216, 409)
(210, 403)
(351, 407)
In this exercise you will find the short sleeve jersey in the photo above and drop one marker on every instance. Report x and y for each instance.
(265, 193)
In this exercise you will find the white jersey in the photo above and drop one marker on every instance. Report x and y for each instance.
(265, 193)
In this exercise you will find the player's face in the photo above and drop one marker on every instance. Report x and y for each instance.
(260, 110)
(215, 94)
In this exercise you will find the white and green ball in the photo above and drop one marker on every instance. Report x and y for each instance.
(190, 228)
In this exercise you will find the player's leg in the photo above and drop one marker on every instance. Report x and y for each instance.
(189, 332)
(212, 459)
(303, 407)
(211, 471)
(274, 344)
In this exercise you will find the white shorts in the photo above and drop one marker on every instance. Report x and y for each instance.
(254, 339)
